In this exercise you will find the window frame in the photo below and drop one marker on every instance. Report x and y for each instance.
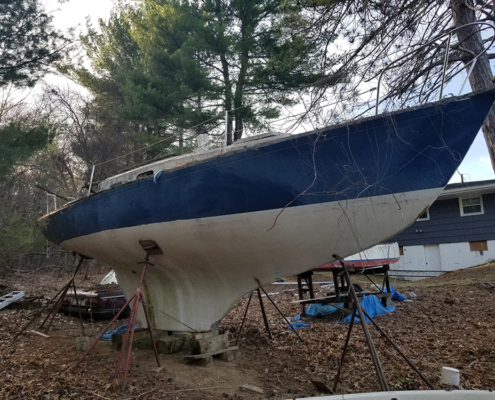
(427, 216)
(461, 205)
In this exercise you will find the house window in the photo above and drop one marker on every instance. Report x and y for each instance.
(471, 206)
(480, 245)
(425, 216)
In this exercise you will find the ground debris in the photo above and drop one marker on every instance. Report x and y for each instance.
(432, 332)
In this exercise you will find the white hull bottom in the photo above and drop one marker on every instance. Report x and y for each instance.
(208, 264)
(412, 395)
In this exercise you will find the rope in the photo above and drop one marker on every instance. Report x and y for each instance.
(164, 313)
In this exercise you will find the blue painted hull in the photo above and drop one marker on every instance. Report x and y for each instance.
(411, 150)
(269, 209)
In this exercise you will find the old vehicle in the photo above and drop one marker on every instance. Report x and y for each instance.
(104, 300)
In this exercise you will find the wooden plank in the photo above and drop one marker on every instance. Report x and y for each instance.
(346, 310)
(315, 300)
(252, 388)
(322, 386)
(211, 353)
(40, 334)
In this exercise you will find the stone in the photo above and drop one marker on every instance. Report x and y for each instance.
(227, 357)
(204, 362)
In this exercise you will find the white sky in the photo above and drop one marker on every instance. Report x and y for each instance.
(476, 165)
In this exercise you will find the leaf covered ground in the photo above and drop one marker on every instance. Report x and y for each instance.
(450, 323)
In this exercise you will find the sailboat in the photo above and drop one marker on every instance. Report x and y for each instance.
(230, 219)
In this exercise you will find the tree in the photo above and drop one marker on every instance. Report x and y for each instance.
(22, 132)
(374, 34)
(185, 63)
(29, 44)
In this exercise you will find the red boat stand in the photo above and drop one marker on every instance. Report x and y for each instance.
(151, 248)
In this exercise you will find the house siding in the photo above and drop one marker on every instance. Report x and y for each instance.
(447, 226)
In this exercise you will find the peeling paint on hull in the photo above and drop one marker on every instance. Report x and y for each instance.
(273, 210)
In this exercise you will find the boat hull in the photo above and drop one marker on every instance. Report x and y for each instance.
(253, 215)
(411, 395)
(381, 254)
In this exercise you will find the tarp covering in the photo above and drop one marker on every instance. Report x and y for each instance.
(297, 325)
(121, 329)
(395, 295)
(320, 310)
(373, 306)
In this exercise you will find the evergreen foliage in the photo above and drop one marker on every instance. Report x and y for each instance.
(176, 64)
(29, 44)
(19, 141)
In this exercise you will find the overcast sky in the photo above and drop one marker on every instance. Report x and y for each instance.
(476, 165)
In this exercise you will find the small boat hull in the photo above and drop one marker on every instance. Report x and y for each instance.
(269, 210)
(412, 395)
(381, 254)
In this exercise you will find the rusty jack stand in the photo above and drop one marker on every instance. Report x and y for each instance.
(56, 306)
(151, 248)
(265, 319)
(374, 355)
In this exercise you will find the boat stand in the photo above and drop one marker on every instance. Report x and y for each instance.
(304, 285)
(56, 306)
(265, 319)
(342, 294)
(151, 248)
(357, 309)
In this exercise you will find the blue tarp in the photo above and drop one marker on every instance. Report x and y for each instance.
(373, 306)
(320, 310)
(395, 295)
(297, 325)
(121, 329)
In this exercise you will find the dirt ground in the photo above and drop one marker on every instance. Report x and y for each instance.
(450, 323)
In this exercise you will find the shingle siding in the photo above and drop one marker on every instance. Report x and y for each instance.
(447, 226)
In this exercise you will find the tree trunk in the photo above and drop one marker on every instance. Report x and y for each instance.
(480, 78)
(239, 87)
(226, 79)
(228, 96)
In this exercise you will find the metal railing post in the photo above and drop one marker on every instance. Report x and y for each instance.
(91, 180)
(226, 129)
(445, 62)
(446, 59)
(467, 77)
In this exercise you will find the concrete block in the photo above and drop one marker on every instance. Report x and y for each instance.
(210, 344)
(174, 343)
(82, 343)
(204, 335)
(141, 340)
